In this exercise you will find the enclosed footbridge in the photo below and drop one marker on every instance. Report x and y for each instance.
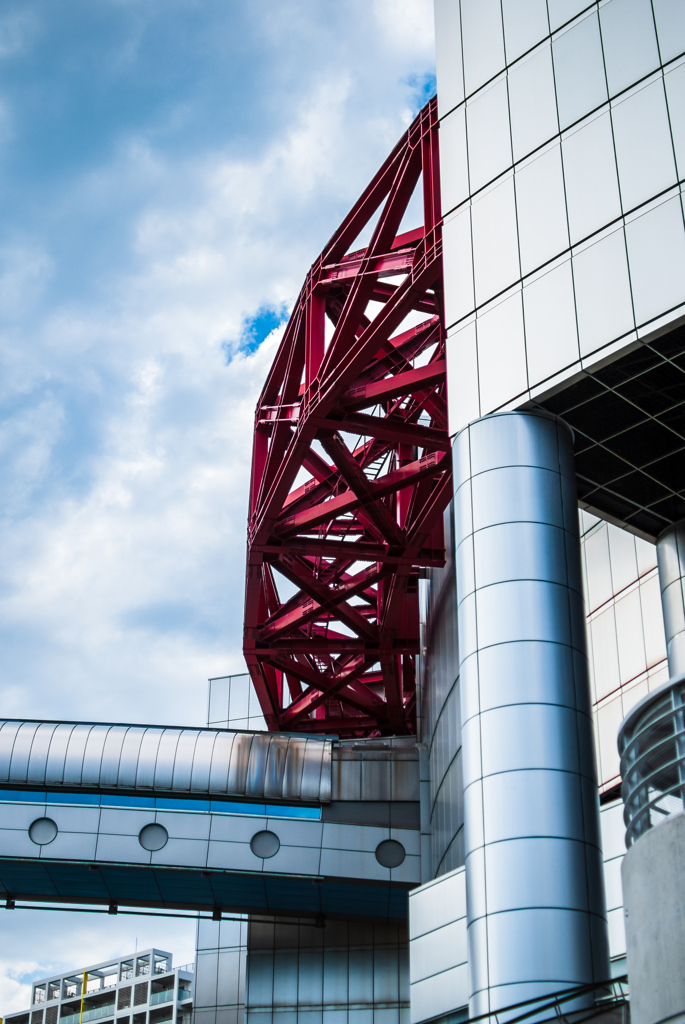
(207, 819)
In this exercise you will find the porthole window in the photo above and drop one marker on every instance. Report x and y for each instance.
(42, 831)
(390, 853)
(153, 837)
(265, 844)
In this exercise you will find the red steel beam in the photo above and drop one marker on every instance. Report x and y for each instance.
(351, 470)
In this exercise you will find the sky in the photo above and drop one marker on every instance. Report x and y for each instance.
(169, 169)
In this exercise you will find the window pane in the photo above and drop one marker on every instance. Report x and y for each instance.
(487, 117)
(644, 150)
(525, 24)
(591, 180)
(541, 210)
(454, 176)
(579, 70)
(458, 266)
(656, 252)
(550, 315)
(481, 27)
(462, 378)
(675, 95)
(561, 11)
(532, 102)
(629, 40)
(501, 354)
(670, 27)
(448, 55)
(495, 245)
(602, 292)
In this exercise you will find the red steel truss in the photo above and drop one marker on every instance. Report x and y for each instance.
(351, 468)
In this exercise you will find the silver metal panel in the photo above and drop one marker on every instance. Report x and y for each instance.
(111, 755)
(671, 559)
(274, 771)
(166, 754)
(221, 761)
(39, 752)
(147, 759)
(73, 762)
(130, 748)
(202, 762)
(183, 763)
(21, 751)
(238, 765)
(92, 758)
(57, 755)
(8, 733)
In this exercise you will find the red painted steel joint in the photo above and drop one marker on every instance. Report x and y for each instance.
(351, 469)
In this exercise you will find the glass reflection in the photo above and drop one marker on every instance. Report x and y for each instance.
(603, 300)
(495, 244)
(532, 103)
(501, 354)
(550, 318)
(454, 175)
(675, 97)
(481, 28)
(579, 70)
(457, 265)
(670, 27)
(525, 24)
(592, 192)
(487, 117)
(629, 41)
(448, 55)
(644, 150)
(541, 210)
(656, 253)
(561, 11)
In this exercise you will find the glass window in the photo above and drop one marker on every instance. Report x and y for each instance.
(454, 175)
(670, 27)
(495, 245)
(448, 55)
(550, 316)
(525, 24)
(579, 70)
(675, 96)
(462, 378)
(541, 209)
(644, 150)
(561, 11)
(629, 40)
(603, 301)
(457, 265)
(592, 194)
(501, 354)
(481, 28)
(532, 103)
(656, 253)
(487, 116)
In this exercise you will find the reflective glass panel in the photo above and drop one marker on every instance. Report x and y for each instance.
(532, 102)
(457, 265)
(495, 245)
(487, 116)
(481, 28)
(448, 55)
(670, 27)
(501, 354)
(550, 318)
(561, 11)
(591, 181)
(675, 95)
(603, 300)
(644, 150)
(462, 378)
(541, 209)
(525, 24)
(656, 252)
(579, 70)
(629, 40)
(454, 175)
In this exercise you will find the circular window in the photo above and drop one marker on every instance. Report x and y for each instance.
(153, 837)
(265, 844)
(42, 831)
(390, 853)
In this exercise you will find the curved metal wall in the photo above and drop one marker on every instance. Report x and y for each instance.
(145, 758)
(535, 903)
(671, 555)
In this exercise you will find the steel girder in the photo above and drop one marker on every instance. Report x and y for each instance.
(351, 468)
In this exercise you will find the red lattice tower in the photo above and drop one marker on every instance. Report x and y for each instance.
(351, 468)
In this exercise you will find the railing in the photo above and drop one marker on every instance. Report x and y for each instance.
(95, 1014)
(651, 743)
(190, 968)
(162, 997)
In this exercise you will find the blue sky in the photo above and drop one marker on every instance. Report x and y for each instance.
(168, 171)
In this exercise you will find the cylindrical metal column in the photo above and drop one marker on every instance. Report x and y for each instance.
(670, 553)
(535, 896)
